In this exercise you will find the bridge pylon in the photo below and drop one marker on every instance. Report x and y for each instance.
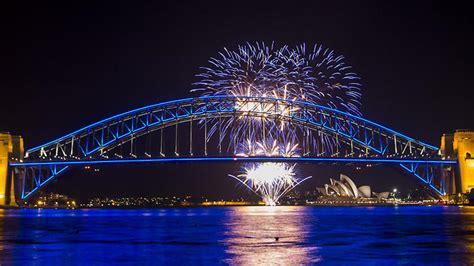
(460, 146)
(11, 149)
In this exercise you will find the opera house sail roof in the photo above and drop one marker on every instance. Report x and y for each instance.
(346, 187)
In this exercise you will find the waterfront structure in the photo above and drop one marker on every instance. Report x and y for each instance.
(153, 202)
(54, 200)
(459, 146)
(345, 187)
(11, 150)
(381, 195)
(365, 191)
(354, 140)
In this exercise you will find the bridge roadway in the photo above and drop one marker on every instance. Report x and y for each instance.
(325, 135)
(239, 159)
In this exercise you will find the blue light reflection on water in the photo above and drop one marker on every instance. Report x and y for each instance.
(239, 235)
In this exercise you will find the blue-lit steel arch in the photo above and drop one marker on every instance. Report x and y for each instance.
(356, 139)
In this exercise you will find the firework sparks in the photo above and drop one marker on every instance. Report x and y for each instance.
(260, 128)
(316, 75)
(269, 148)
(271, 181)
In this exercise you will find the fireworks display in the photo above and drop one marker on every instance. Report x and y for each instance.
(268, 148)
(316, 75)
(270, 180)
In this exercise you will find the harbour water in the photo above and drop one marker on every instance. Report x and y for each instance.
(239, 235)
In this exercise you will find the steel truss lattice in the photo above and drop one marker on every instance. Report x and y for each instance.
(181, 130)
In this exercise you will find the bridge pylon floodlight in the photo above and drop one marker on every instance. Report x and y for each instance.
(11, 150)
(460, 146)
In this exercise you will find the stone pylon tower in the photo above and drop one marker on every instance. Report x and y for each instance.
(11, 149)
(460, 146)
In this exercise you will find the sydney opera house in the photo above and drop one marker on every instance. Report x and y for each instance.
(345, 187)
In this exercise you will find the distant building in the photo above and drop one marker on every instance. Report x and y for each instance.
(53, 200)
(345, 187)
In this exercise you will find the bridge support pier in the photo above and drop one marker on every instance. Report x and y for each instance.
(460, 146)
(11, 148)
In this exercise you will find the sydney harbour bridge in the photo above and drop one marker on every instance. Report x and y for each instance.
(315, 125)
(178, 131)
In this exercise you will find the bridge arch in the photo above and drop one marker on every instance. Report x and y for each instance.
(357, 137)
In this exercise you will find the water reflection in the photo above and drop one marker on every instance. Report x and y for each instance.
(2, 232)
(244, 235)
(461, 234)
(268, 235)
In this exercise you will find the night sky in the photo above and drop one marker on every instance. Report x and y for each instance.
(66, 65)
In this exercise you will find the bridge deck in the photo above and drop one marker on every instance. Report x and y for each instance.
(240, 159)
